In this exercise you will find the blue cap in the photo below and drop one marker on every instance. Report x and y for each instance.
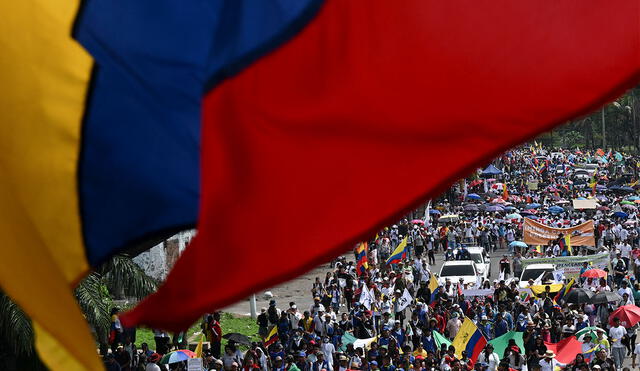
(373, 363)
(302, 354)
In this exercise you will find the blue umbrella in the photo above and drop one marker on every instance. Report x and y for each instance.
(580, 198)
(513, 216)
(510, 208)
(494, 208)
(533, 206)
(470, 207)
(633, 198)
(555, 209)
(434, 211)
(518, 244)
(621, 214)
(532, 217)
(474, 196)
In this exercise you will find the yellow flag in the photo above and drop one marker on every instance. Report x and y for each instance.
(198, 350)
(567, 241)
(46, 75)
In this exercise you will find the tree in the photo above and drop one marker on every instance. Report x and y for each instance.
(118, 278)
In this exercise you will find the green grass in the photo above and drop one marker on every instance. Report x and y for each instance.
(229, 322)
(240, 324)
(145, 335)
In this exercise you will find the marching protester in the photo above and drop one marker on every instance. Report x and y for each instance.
(561, 226)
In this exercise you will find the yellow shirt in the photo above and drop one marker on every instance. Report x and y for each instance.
(604, 343)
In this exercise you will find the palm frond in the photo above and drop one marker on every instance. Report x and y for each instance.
(124, 277)
(15, 328)
(95, 301)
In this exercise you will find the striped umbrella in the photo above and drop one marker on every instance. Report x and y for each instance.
(177, 356)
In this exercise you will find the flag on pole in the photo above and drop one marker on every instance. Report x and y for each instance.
(400, 252)
(561, 294)
(567, 242)
(433, 288)
(361, 258)
(469, 338)
(427, 217)
(198, 350)
(505, 191)
(272, 337)
(404, 300)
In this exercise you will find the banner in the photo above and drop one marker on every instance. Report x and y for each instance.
(539, 234)
(571, 265)
(477, 292)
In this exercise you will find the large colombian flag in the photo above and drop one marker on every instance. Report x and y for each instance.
(470, 339)
(125, 121)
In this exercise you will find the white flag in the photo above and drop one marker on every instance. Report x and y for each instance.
(538, 281)
(558, 275)
(426, 214)
(404, 300)
(501, 277)
(365, 298)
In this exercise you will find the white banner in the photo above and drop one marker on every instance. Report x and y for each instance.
(477, 292)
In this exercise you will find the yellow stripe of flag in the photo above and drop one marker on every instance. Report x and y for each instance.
(45, 74)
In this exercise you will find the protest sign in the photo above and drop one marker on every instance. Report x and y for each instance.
(539, 234)
(194, 364)
(571, 265)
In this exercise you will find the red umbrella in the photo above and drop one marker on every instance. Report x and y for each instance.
(594, 273)
(629, 315)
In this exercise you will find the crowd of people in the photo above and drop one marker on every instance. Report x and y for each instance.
(360, 319)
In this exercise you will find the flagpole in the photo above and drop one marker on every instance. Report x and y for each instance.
(252, 307)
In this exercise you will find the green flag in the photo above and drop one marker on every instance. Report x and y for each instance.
(347, 339)
(439, 339)
(500, 343)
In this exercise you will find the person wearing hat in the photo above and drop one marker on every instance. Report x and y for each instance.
(489, 357)
(320, 363)
(343, 363)
(515, 357)
(278, 364)
(152, 362)
(294, 316)
(263, 323)
(373, 365)
(549, 363)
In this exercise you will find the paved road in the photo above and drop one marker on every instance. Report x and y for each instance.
(299, 289)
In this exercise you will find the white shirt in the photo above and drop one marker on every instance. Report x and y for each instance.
(493, 360)
(549, 365)
(616, 334)
(328, 349)
(154, 367)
